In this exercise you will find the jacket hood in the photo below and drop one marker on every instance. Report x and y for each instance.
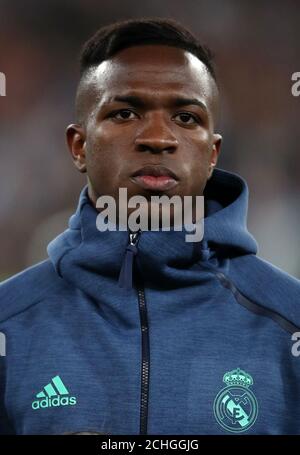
(82, 252)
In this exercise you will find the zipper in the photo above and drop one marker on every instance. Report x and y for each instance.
(145, 373)
(126, 273)
(126, 281)
(134, 237)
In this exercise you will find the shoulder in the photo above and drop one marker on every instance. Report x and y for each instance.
(266, 275)
(28, 288)
(267, 285)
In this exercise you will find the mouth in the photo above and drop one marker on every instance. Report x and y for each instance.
(155, 178)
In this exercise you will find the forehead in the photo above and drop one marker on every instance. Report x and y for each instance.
(156, 71)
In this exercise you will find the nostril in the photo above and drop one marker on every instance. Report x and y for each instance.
(155, 148)
(156, 142)
(146, 148)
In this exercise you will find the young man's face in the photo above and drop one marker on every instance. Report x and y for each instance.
(134, 119)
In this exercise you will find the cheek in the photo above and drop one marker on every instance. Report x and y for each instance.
(109, 133)
(196, 166)
(104, 157)
(107, 141)
(99, 148)
(197, 144)
(197, 155)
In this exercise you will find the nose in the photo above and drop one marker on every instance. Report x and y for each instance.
(155, 136)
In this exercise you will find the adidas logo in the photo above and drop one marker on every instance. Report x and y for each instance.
(54, 394)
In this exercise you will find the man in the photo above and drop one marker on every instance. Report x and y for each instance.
(145, 333)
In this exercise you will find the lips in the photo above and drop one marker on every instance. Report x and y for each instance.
(155, 178)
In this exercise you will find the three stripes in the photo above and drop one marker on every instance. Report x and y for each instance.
(54, 388)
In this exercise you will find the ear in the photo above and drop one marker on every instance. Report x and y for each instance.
(75, 135)
(216, 149)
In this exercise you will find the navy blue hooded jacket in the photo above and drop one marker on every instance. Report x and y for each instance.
(201, 343)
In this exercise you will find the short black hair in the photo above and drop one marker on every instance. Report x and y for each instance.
(110, 39)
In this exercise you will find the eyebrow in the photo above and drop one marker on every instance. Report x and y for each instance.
(136, 101)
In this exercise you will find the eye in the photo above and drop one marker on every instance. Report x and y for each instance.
(185, 117)
(122, 114)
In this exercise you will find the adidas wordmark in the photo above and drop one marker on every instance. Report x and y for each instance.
(54, 394)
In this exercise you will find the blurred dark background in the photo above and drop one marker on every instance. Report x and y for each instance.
(257, 48)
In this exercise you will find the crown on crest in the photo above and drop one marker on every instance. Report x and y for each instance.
(237, 377)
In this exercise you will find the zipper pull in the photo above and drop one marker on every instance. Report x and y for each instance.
(126, 273)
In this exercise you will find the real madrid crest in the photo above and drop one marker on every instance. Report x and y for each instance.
(235, 406)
